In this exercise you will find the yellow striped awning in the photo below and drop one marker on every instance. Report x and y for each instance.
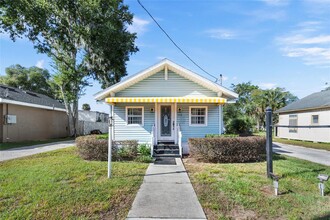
(216, 100)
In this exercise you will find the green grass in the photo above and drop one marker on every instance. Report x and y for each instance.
(232, 191)
(60, 185)
(5, 146)
(309, 144)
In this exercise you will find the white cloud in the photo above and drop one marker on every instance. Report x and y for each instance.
(139, 25)
(225, 78)
(223, 34)
(160, 58)
(310, 41)
(266, 15)
(235, 78)
(40, 64)
(276, 2)
(267, 85)
(300, 39)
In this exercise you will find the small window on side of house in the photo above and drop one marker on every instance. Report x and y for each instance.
(293, 121)
(134, 115)
(315, 119)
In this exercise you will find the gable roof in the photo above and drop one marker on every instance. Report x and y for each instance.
(313, 101)
(165, 63)
(17, 96)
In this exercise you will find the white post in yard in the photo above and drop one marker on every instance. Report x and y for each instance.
(110, 141)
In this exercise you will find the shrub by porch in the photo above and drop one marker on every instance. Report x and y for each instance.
(95, 147)
(228, 149)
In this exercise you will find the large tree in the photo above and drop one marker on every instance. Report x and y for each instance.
(33, 79)
(84, 38)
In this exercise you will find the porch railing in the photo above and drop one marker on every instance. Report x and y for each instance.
(179, 135)
(152, 141)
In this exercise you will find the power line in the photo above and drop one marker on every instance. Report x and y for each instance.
(175, 44)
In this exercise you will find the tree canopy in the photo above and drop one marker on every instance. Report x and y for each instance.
(84, 38)
(86, 107)
(249, 110)
(32, 79)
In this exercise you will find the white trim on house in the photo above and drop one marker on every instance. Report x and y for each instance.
(126, 115)
(206, 115)
(6, 101)
(165, 65)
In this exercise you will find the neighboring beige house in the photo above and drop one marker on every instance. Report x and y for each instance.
(306, 119)
(28, 115)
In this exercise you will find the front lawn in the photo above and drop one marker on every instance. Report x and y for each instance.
(242, 191)
(60, 185)
(9, 145)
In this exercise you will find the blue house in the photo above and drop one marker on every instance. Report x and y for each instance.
(165, 105)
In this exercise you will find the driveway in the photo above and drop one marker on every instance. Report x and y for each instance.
(35, 149)
(313, 155)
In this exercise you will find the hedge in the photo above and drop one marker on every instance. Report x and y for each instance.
(228, 149)
(92, 147)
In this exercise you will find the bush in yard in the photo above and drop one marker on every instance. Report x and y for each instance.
(127, 150)
(144, 154)
(241, 125)
(144, 149)
(92, 147)
(228, 149)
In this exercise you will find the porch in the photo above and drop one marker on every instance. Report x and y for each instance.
(165, 123)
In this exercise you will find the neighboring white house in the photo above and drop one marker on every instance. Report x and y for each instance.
(92, 120)
(165, 105)
(306, 119)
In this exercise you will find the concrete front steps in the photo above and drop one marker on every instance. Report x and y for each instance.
(166, 149)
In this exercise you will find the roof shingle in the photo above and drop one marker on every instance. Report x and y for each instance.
(315, 100)
(15, 94)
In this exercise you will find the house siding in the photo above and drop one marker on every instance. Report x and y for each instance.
(33, 124)
(198, 131)
(174, 86)
(304, 119)
(122, 131)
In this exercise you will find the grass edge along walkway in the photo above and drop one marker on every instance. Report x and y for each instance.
(60, 185)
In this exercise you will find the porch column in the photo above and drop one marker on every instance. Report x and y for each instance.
(220, 119)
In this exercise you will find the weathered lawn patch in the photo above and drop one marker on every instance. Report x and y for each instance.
(243, 191)
(60, 185)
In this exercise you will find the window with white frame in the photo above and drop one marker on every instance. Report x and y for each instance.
(293, 121)
(198, 116)
(134, 115)
(315, 119)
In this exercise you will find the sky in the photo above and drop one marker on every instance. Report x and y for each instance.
(271, 43)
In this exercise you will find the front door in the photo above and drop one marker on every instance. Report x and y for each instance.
(166, 122)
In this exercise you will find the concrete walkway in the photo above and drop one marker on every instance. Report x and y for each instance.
(166, 193)
(310, 154)
(35, 149)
